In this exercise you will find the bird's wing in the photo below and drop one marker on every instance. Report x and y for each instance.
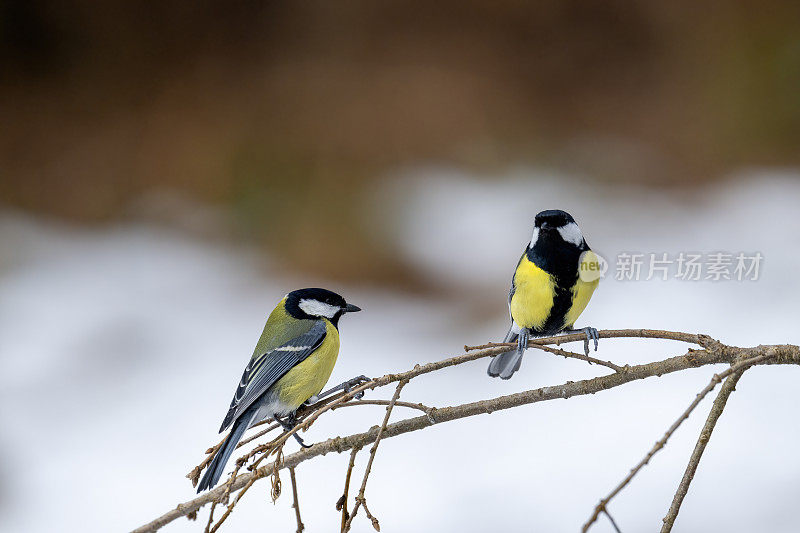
(513, 288)
(265, 369)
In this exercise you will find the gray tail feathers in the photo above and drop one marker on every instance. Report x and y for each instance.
(217, 464)
(505, 364)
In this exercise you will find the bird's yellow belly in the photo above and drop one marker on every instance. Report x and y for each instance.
(583, 289)
(533, 297)
(307, 378)
(581, 294)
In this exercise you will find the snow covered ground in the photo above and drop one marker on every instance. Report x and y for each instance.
(121, 347)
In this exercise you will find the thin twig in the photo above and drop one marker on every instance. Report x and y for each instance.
(361, 498)
(342, 503)
(254, 436)
(582, 357)
(194, 475)
(229, 485)
(611, 519)
(239, 496)
(693, 338)
(375, 524)
(265, 450)
(231, 505)
(557, 351)
(417, 406)
(600, 507)
(210, 517)
(705, 435)
(296, 502)
(275, 493)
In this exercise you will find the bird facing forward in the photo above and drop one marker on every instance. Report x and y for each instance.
(548, 292)
(291, 363)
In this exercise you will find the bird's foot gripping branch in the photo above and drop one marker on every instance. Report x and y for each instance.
(249, 468)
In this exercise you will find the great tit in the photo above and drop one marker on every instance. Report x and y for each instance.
(547, 291)
(291, 363)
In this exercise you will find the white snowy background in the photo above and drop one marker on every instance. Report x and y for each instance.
(121, 347)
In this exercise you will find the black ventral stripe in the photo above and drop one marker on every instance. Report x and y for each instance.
(560, 260)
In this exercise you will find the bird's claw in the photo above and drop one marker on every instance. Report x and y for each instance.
(300, 441)
(289, 424)
(591, 335)
(350, 384)
(522, 340)
(347, 386)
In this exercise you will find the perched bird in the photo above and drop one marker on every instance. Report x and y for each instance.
(291, 363)
(547, 291)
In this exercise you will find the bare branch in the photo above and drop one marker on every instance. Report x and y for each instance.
(714, 353)
(705, 435)
(742, 365)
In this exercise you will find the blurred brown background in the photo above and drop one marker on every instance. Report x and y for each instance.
(282, 112)
(169, 170)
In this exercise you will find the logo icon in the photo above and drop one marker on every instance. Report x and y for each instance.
(592, 266)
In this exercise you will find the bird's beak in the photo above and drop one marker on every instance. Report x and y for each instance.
(350, 308)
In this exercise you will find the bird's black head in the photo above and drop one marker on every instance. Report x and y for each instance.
(556, 243)
(556, 228)
(553, 218)
(318, 303)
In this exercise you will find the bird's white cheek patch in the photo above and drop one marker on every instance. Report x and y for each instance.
(571, 233)
(317, 308)
(535, 237)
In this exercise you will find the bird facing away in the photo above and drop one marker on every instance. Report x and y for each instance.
(291, 363)
(548, 294)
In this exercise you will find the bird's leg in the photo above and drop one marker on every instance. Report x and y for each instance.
(591, 334)
(522, 340)
(288, 425)
(347, 386)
